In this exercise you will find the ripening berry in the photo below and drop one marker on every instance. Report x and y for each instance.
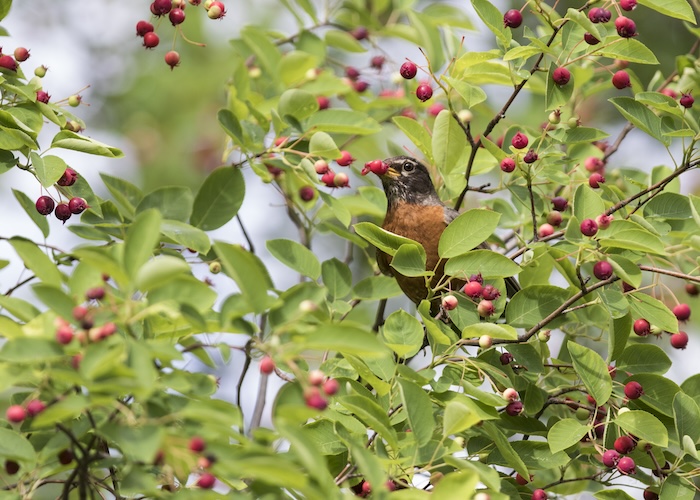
(641, 327)
(508, 165)
(360, 33)
(539, 494)
(604, 221)
(197, 444)
(628, 4)
(595, 180)
(315, 400)
(377, 167)
(267, 365)
(408, 70)
(307, 193)
(625, 27)
(519, 141)
(172, 59)
(485, 341)
(682, 312)
(512, 19)
(633, 390)
(687, 100)
(621, 80)
(521, 480)
(449, 302)
(341, 180)
(435, 108)
(545, 230)
(21, 54)
(561, 76)
(599, 15)
(176, 16)
(589, 227)
(42, 96)
(77, 205)
(216, 11)
(472, 289)
(328, 179)
(64, 334)
(321, 167)
(624, 445)
(485, 309)
(377, 62)
(345, 159)
(97, 293)
(352, 73)
(323, 102)
(206, 481)
(490, 292)
(554, 218)
(626, 465)
(679, 340)
(559, 204)
(360, 86)
(514, 409)
(610, 458)
(593, 164)
(424, 92)
(34, 407)
(331, 387)
(511, 394)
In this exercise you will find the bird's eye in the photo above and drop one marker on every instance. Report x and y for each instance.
(408, 166)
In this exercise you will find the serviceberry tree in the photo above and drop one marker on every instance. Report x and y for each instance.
(535, 391)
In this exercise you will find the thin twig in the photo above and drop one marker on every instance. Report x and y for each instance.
(251, 247)
(668, 272)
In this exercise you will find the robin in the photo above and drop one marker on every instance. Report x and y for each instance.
(415, 211)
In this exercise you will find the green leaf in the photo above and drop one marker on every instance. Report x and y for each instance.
(371, 414)
(29, 206)
(296, 256)
(417, 134)
(587, 203)
(653, 310)
(409, 260)
(159, 271)
(635, 239)
(186, 235)
(21, 309)
(303, 446)
(55, 298)
(496, 331)
(644, 358)
(140, 443)
(582, 20)
(14, 446)
(658, 392)
(686, 414)
(458, 484)
(627, 270)
(4, 8)
(266, 52)
(376, 288)
(449, 141)
(458, 417)
(382, 239)
(343, 121)
(30, 350)
(141, 238)
(487, 262)
(676, 487)
(565, 433)
(645, 426)
(640, 116)
(532, 304)
(403, 334)
(593, 371)
(249, 273)
(680, 9)
(467, 231)
(612, 494)
(323, 145)
(229, 122)
(126, 195)
(671, 206)
(37, 261)
(218, 199)
(344, 41)
(627, 49)
(493, 19)
(346, 340)
(173, 202)
(505, 448)
(70, 140)
(298, 104)
(337, 277)
(471, 94)
(418, 408)
(48, 168)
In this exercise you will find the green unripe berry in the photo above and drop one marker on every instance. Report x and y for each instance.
(41, 71)
(74, 100)
(215, 267)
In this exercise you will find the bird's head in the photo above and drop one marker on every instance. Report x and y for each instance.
(406, 180)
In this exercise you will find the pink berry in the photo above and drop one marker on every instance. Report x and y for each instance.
(316, 377)
(519, 141)
(641, 327)
(595, 180)
(408, 70)
(514, 409)
(323, 102)
(682, 312)
(530, 157)
(625, 27)
(150, 40)
(687, 100)
(604, 221)
(561, 76)
(197, 444)
(315, 400)
(485, 308)
(345, 159)
(669, 92)
(508, 164)
(512, 19)
(176, 16)
(511, 394)
(77, 205)
(602, 270)
(472, 289)
(64, 335)
(545, 230)
(307, 193)
(267, 365)
(206, 481)
(34, 407)
(554, 218)
(506, 358)
(68, 178)
(44, 205)
(610, 458)
(16, 414)
(590, 39)
(633, 390)
(628, 4)
(21, 54)
(485, 341)
(626, 465)
(424, 92)
(559, 204)
(321, 167)
(449, 302)
(42, 96)
(490, 292)
(172, 59)
(434, 109)
(328, 178)
(589, 227)
(377, 62)
(63, 212)
(8, 62)
(624, 445)
(143, 27)
(331, 387)
(679, 340)
(621, 80)
(539, 494)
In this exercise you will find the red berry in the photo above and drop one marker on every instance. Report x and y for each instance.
(514, 409)
(197, 444)
(641, 327)
(435, 108)
(593, 164)
(44, 205)
(539, 494)
(65, 457)
(150, 40)
(16, 414)
(64, 334)
(559, 204)
(267, 365)
(80, 312)
(561, 76)
(34, 407)
(610, 458)
(624, 445)
(679, 340)
(206, 481)
(506, 358)
(172, 59)
(590, 39)
(691, 289)
(602, 270)
(11, 467)
(682, 312)
(323, 102)
(8, 62)
(490, 292)
(599, 15)
(650, 495)
(512, 19)
(143, 27)
(621, 80)
(633, 390)
(519, 141)
(628, 4)
(485, 308)
(669, 92)
(377, 62)
(545, 230)
(63, 212)
(360, 86)
(530, 157)
(626, 465)
(377, 167)
(408, 70)
(176, 16)
(352, 72)
(331, 386)
(307, 193)
(315, 400)
(472, 289)
(360, 33)
(595, 180)
(42, 95)
(686, 101)
(424, 92)
(345, 159)
(161, 7)
(21, 54)
(554, 218)
(604, 221)
(508, 164)
(449, 302)
(96, 293)
(366, 488)
(589, 227)
(77, 205)
(68, 178)
(328, 178)
(625, 27)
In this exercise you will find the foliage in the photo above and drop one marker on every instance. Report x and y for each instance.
(102, 343)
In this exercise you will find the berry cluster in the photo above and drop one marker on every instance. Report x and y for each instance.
(679, 340)
(45, 205)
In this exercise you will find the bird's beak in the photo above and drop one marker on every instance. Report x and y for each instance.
(392, 173)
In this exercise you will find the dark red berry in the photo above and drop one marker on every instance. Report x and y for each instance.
(519, 141)
(197, 444)
(172, 59)
(590, 39)
(626, 465)
(307, 193)
(45, 205)
(633, 390)
(621, 80)
(77, 205)
(424, 92)
(641, 327)
(530, 156)
(595, 180)
(679, 340)
(68, 178)
(624, 445)
(625, 27)
(65, 457)
(512, 19)
(161, 7)
(377, 62)
(360, 33)
(506, 358)
(599, 15)
(150, 40)
(589, 227)
(64, 335)
(561, 76)
(34, 407)
(360, 86)
(628, 4)
(63, 212)
(42, 96)
(328, 178)
(21, 54)
(594, 164)
(602, 270)
(352, 72)
(559, 204)
(514, 409)
(477, 277)
(206, 481)
(610, 458)
(8, 62)
(650, 495)
(508, 165)
(97, 293)
(315, 400)
(691, 289)
(143, 27)
(490, 292)
(686, 100)
(11, 467)
(176, 16)
(408, 70)
(682, 312)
